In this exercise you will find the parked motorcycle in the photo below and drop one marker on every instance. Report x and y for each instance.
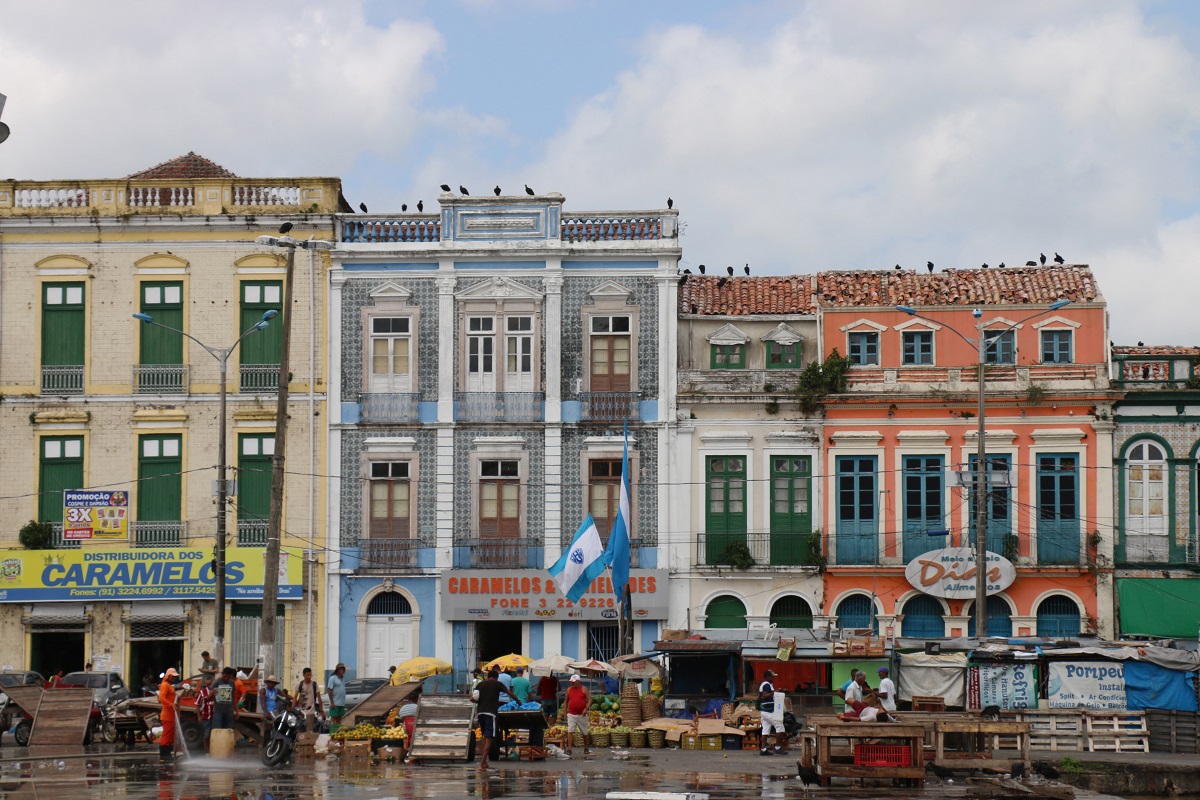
(286, 725)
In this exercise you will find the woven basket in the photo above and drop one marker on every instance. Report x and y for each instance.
(637, 738)
(656, 738)
(578, 740)
(727, 711)
(600, 737)
(631, 705)
(619, 739)
(651, 707)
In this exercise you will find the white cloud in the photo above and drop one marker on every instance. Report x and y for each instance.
(264, 88)
(861, 134)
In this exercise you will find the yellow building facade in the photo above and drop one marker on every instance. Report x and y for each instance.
(93, 400)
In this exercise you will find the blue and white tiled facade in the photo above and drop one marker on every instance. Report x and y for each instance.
(439, 577)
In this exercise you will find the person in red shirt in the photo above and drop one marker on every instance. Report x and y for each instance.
(547, 689)
(579, 700)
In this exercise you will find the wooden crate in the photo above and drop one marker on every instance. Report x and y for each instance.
(356, 750)
(529, 753)
(1056, 730)
(1117, 732)
(1173, 731)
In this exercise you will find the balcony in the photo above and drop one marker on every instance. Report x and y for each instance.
(500, 406)
(251, 533)
(1168, 371)
(389, 407)
(738, 381)
(62, 379)
(390, 230)
(160, 378)
(187, 196)
(523, 553)
(159, 534)
(757, 550)
(58, 542)
(388, 554)
(259, 378)
(604, 228)
(610, 406)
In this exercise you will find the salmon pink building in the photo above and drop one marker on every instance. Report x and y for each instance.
(900, 448)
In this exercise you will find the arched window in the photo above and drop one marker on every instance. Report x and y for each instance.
(791, 612)
(1145, 504)
(999, 620)
(388, 604)
(1058, 617)
(725, 611)
(857, 611)
(923, 618)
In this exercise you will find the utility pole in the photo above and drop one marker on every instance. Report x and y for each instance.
(266, 631)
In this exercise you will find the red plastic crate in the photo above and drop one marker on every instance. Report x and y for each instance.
(881, 755)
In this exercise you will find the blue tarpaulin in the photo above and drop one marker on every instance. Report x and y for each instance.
(1152, 686)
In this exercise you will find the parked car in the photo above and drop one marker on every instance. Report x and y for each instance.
(359, 689)
(107, 687)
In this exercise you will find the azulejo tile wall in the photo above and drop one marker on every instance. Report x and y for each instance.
(354, 476)
(645, 488)
(534, 497)
(644, 297)
(355, 295)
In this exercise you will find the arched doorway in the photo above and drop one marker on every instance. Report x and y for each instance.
(387, 634)
(999, 619)
(725, 611)
(857, 612)
(791, 612)
(923, 618)
(1057, 617)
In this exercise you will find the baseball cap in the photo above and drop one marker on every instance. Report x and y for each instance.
(170, 671)
(882, 670)
(769, 674)
(574, 679)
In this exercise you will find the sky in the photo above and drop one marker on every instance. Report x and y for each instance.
(793, 136)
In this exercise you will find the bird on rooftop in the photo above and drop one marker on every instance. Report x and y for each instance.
(984, 265)
(1141, 344)
(670, 203)
(721, 282)
(695, 308)
(285, 227)
(929, 266)
(420, 205)
(898, 266)
(404, 206)
(701, 269)
(445, 187)
(363, 206)
(1001, 265)
(683, 279)
(687, 272)
(464, 191)
(1031, 263)
(1043, 255)
(497, 190)
(746, 269)
(1059, 259)
(730, 271)
(528, 191)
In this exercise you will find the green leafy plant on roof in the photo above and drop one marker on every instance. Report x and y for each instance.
(820, 379)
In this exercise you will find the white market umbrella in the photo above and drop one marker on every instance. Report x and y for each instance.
(592, 665)
(548, 665)
(636, 667)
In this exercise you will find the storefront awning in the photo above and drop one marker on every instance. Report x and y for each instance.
(1159, 606)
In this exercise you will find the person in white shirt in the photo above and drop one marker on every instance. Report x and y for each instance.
(771, 706)
(886, 691)
(854, 692)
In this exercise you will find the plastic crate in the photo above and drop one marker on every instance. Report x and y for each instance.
(710, 742)
(882, 755)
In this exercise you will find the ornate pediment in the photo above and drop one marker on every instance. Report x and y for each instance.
(499, 287)
(391, 291)
(610, 290)
(783, 334)
(727, 334)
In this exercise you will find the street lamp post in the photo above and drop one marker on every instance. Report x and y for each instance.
(981, 471)
(266, 631)
(222, 357)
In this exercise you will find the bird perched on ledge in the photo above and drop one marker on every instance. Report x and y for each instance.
(285, 227)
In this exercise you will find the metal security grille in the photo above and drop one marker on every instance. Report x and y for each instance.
(604, 641)
(56, 627)
(243, 641)
(389, 604)
(151, 631)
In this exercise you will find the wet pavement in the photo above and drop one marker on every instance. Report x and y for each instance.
(138, 776)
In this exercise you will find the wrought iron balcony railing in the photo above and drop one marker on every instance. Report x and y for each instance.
(389, 406)
(500, 406)
(756, 550)
(160, 378)
(496, 552)
(62, 379)
(159, 533)
(251, 533)
(260, 378)
(388, 554)
(610, 406)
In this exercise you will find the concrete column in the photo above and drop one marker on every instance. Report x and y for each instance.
(553, 488)
(553, 353)
(445, 498)
(1106, 623)
(447, 326)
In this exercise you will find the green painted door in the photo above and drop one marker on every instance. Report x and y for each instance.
(254, 486)
(62, 324)
(791, 518)
(60, 468)
(260, 350)
(163, 302)
(725, 509)
(160, 465)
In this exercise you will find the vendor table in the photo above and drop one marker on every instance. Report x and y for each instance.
(978, 735)
(899, 748)
(532, 721)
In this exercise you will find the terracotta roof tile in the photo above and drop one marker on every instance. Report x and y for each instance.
(1156, 350)
(743, 296)
(1034, 285)
(188, 166)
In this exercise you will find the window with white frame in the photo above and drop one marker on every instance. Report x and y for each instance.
(391, 354)
(481, 354)
(518, 354)
(390, 500)
(1145, 503)
(611, 353)
(1056, 346)
(864, 348)
(499, 498)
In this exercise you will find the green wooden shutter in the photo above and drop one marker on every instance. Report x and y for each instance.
(164, 302)
(258, 297)
(254, 486)
(160, 464)
(725, 507)
(62, 324)
(791, 514)
(60, 467)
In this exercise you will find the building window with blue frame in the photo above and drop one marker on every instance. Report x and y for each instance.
(1000, 347)
(918, 348)
(856, 612)
(864, 349)
(923, 618)
(728, 356)
(1056, 347)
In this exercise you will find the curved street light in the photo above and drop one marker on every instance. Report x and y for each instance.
(221, 354)
(981, 493)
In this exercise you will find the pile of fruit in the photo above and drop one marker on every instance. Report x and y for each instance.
(556, 731)
(605, 706)
(365, 730)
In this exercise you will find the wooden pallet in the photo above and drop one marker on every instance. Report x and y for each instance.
(1173, 731)
(1119, 733)
(444, 729)
(62, 717)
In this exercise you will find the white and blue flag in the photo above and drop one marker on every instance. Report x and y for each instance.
(581, 563)
(617, 554)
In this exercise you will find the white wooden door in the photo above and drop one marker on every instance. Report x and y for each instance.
(389, 641)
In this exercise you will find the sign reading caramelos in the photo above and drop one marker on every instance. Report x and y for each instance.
(951, 572)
